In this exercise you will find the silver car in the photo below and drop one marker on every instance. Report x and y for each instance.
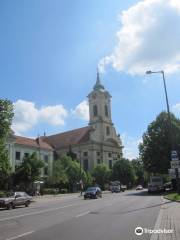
(15, 199)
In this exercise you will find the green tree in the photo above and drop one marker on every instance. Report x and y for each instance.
(59, 176)
(137, 165)
(101, 174)
(123, 172)
(158, 143)
(6, 115)
(29, 171)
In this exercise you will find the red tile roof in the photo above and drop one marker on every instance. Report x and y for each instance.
(37, 143)
(66, 139)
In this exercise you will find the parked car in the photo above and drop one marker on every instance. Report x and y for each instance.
(115, 186)
(123, 188)
(93, 192)
(139, 187)
(15, 199)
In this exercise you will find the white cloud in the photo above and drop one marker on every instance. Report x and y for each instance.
(130, 144)
(176, 109)
(149, 38)
(27, 115)
(81, 111)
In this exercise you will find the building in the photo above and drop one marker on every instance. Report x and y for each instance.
(19, 147)
(94, 144)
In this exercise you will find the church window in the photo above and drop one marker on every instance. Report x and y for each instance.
(85, 164)
(107, 131)
(18, 156)
(95, 110)
(46, 158)
(110, 164)
(46, 171)
(106, 110)
(85, 154)
(98, 153)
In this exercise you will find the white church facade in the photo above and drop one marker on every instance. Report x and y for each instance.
(94, 144)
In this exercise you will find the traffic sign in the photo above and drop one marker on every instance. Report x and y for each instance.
(174, 155)
(172, 173)
(175, 164)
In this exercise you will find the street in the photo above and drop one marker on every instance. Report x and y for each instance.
(115, 216)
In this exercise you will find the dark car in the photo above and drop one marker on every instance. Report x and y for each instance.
(15, 199)
(93, 192)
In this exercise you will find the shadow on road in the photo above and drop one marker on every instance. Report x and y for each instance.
(143, 193)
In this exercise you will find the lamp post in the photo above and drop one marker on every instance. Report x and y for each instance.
(170, 124)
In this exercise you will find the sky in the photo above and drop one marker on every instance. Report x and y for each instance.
(50, 51)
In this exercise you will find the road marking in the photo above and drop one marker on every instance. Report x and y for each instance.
(19, 236)
(35, 213)
(82, 214)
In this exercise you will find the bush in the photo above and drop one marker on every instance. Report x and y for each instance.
(2, 194)
(50, 191)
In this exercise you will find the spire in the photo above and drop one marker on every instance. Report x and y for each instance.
(98, 85)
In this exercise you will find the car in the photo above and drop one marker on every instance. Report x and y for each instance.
(139, 187)
(14, 199)
(93, 192)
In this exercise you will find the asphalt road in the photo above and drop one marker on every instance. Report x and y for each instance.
(115, 217)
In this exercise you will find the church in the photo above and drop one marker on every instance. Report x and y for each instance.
(94, 144)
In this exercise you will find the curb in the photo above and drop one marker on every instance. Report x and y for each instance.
(171, 199)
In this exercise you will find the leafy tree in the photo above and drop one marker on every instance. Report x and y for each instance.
(101, 174)
(6, 115)
(157, 143)
(29, 171)
(59, 176)
(137, 165)
(123, 172)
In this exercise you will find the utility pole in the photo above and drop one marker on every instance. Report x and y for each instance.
(174, 156)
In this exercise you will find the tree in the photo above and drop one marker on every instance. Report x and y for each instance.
(137, 165)
(6, 115)
(59, 176)
(157, 143)
(29, 171)
(123, 172)
(101, 174)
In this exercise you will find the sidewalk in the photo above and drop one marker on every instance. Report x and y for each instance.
(169, 219)
(53, 197)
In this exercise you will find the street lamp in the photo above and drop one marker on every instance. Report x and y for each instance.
(170, 123)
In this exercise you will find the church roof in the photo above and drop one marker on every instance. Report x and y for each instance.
(30, 142)
(66, 139)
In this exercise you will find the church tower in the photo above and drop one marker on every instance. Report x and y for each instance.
(100, 114)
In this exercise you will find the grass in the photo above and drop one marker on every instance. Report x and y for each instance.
(173, 197)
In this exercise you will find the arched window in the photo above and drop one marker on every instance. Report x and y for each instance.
(107, 131)
(106, 110)
(95, 110)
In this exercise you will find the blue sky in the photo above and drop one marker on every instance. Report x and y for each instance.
(49, 52)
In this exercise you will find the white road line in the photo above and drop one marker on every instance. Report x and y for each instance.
(82, 214)
(19, 236)
(35, 213)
